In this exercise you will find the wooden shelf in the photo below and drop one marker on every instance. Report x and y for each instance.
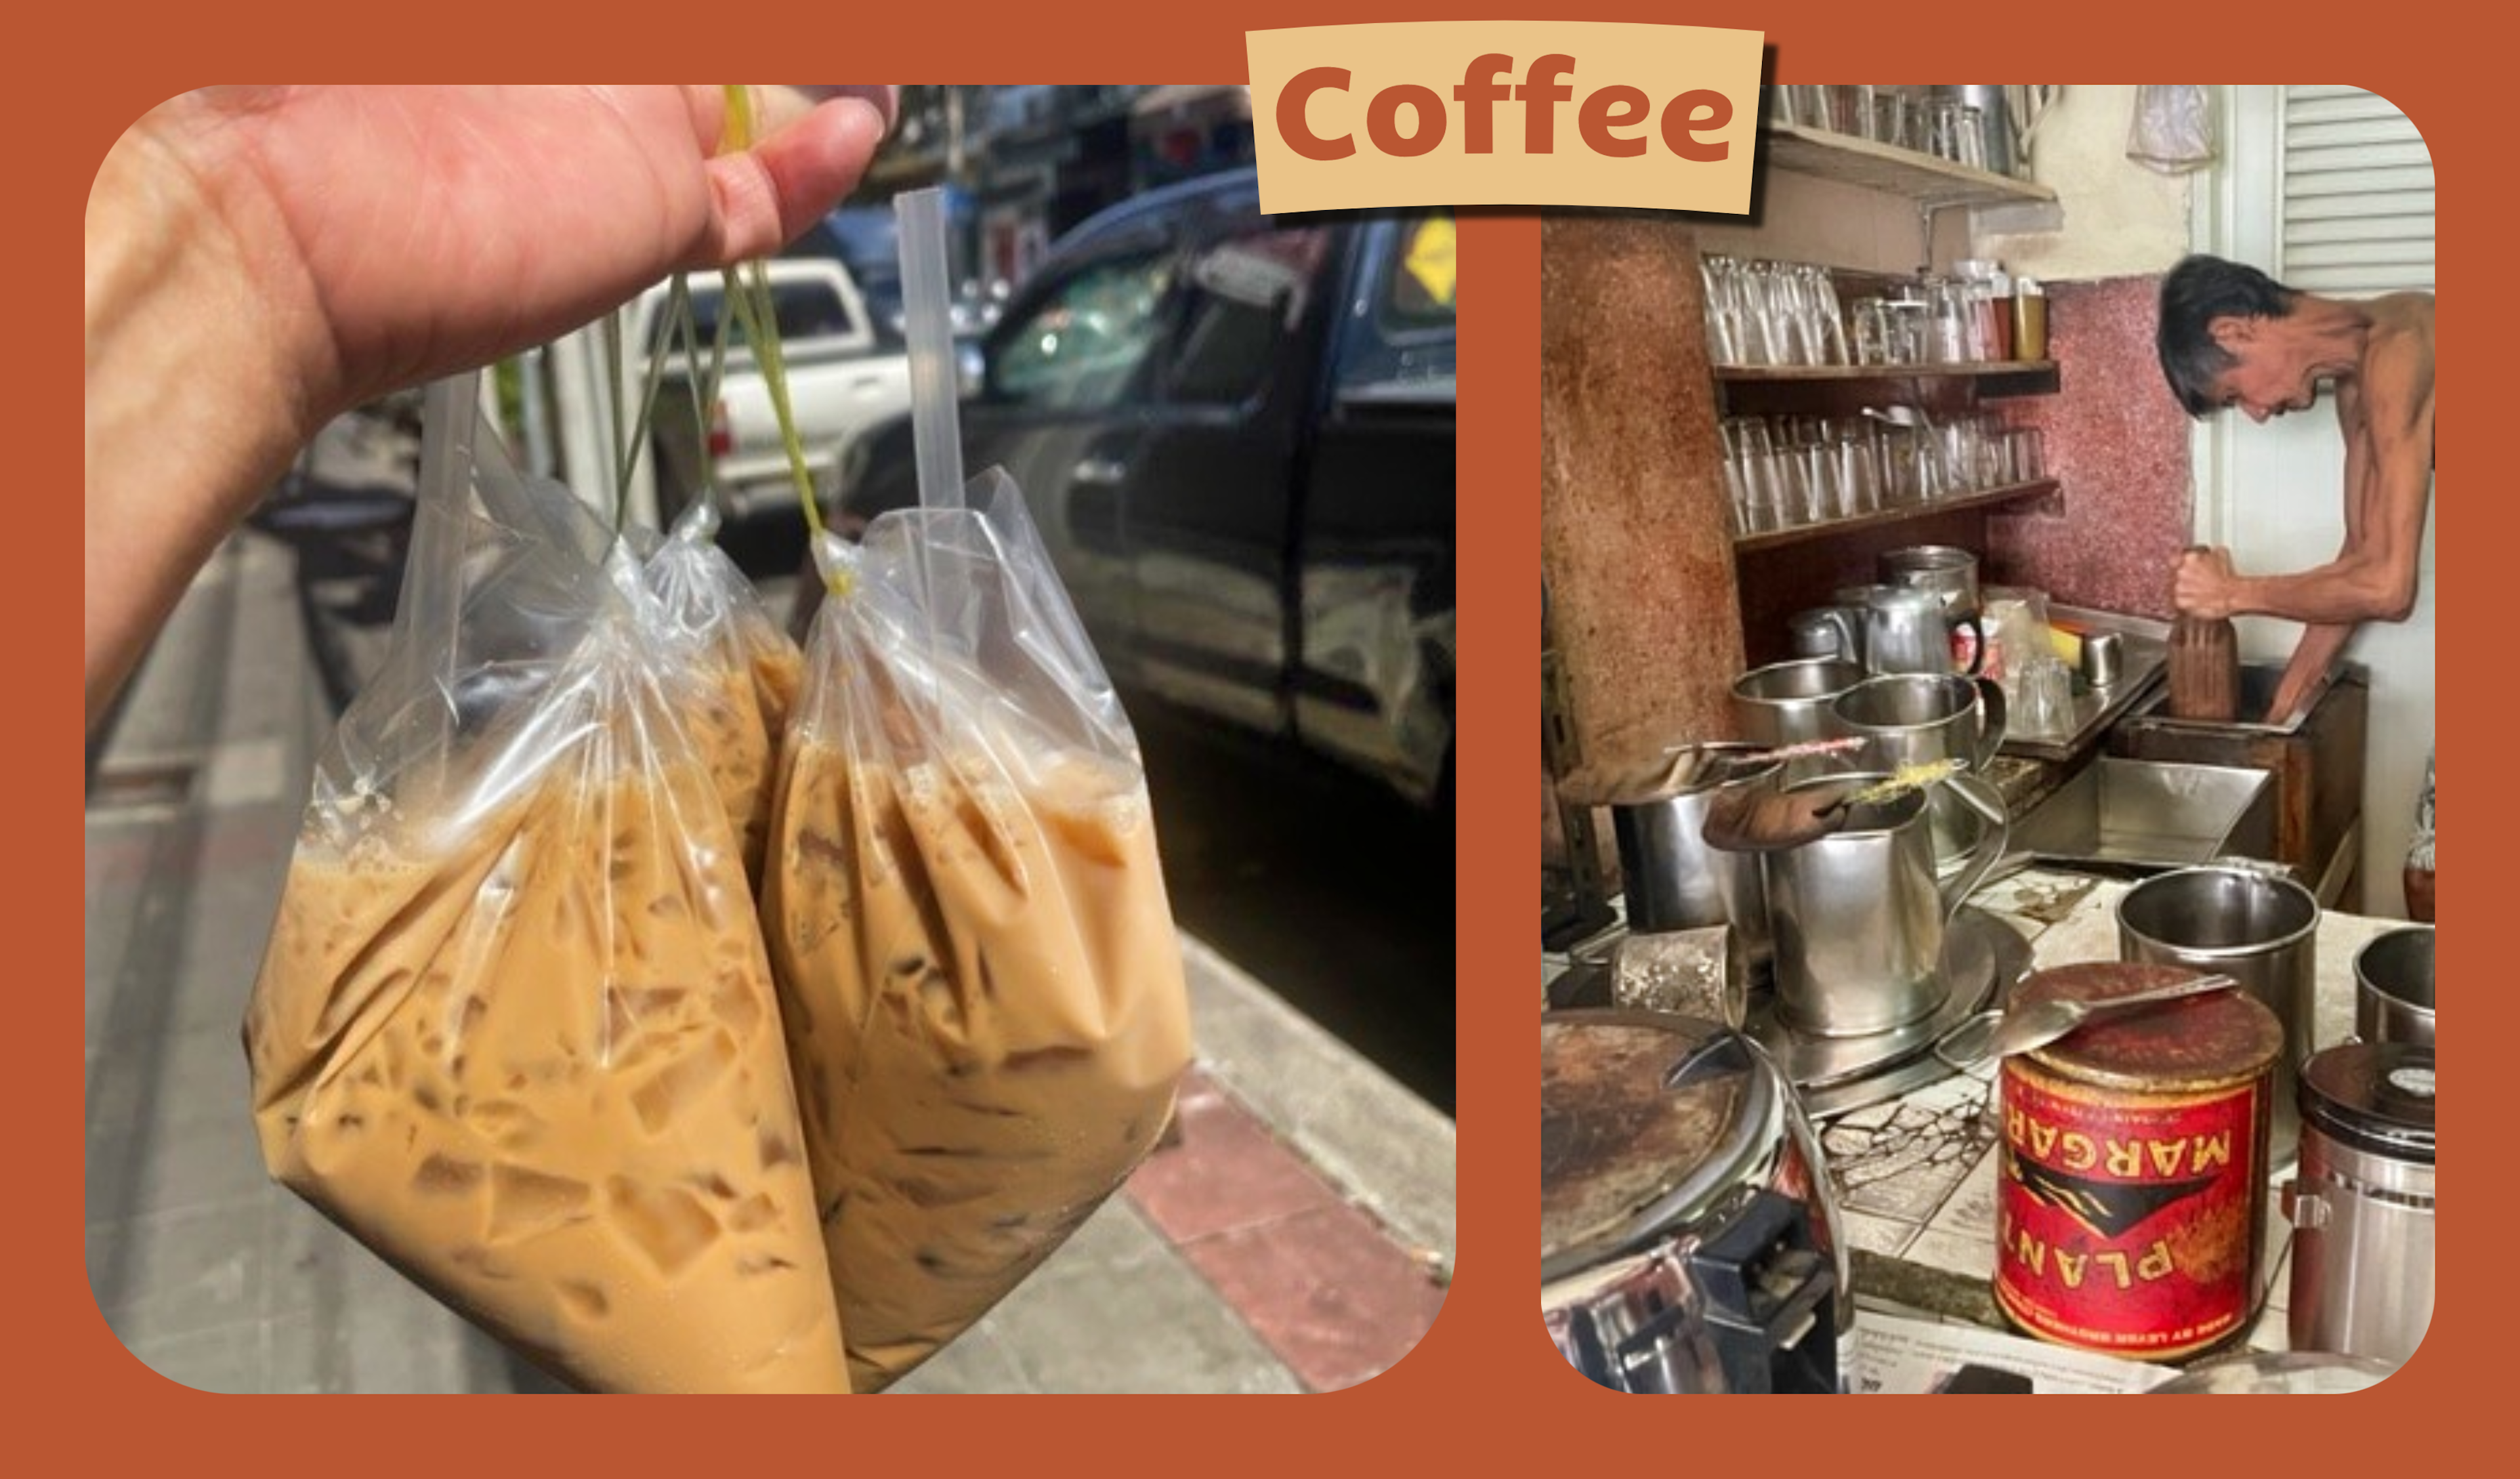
(1832, 528)
(1919, 177)
(1756, 373)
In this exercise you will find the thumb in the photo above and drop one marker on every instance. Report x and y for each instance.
(766, 196)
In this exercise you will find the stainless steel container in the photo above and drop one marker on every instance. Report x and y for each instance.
(1673, 879)
(1920, 718)
(2148, 816)
(2362, 1208)
(1689, 1242)
(1858, 916)
(2392, 988)
(2256, 925)
(1828, 632)
(1946, 571)
(1787, 703)
(1905, 631)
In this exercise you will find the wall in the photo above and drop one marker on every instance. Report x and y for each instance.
(2118, 444)
(2119, 218)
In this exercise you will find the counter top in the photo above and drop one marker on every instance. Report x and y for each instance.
(1916, 1176)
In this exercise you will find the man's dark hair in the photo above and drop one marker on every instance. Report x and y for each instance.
(2196, 293)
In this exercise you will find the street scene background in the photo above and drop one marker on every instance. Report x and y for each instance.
(1297, 1232)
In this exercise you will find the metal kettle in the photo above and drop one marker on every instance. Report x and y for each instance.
(1905, 631)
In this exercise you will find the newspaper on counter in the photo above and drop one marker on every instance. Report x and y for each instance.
(1900, 1356)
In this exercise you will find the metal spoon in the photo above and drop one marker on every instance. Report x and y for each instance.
(2000, 1034)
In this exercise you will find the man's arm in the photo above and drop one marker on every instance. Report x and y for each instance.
(2321, 643)
(2374, 578)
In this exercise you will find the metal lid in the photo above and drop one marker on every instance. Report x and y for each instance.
(1625, 1156)
(2198, 1042)
(2375, 1097)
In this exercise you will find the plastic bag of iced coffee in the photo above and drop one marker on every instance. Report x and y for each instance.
(981, 985)
(516, 1029)
(745, 666)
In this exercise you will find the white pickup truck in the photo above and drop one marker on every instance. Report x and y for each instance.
(840, 383)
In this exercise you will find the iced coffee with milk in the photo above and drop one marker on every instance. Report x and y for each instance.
(747, 670)
(734, 720)
(985, 1006)
(535, 1060)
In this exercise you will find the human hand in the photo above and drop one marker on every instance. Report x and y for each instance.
(261, 259)
(397, 234)
(2206, 585)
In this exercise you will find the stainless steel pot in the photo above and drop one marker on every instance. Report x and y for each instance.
(1689, 1242)
(1787, 703)
(1920, 718)
(1859, 915)
(1674, 880)
(2392, 988)
(2251, 923)
(2362, 1206)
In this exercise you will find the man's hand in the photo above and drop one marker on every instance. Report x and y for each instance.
(2206, 584)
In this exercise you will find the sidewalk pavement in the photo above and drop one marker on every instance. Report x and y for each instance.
(1295, 1237)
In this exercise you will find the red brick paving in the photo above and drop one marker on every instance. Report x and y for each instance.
(1318, 1280)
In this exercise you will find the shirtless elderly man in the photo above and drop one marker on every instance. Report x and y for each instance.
(2232, 336)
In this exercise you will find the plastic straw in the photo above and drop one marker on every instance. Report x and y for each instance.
(934, 417)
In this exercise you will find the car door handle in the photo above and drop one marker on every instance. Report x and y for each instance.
(1099, 471)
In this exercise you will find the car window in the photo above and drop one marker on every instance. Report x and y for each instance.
(807, 309)
(1405, 344)
(1241, 296)
(1081, 347)
(1418, 291)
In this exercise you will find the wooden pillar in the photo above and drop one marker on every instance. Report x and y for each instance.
(1636, 526)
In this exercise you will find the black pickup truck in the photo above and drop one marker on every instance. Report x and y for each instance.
(1236, 432)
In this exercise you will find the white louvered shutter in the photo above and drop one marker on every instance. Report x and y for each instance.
(2357, 195)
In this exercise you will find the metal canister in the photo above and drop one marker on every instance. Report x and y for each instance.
(2131, 1209)
(2363, 1207)
(2393, 987)
(1689, 1242)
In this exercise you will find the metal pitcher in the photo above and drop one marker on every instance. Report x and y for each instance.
(1905, 631)
(1920, 718)
(1948, 574)
(1787, 703)
(1674, 880)
(1829, 632)
(1858, 917)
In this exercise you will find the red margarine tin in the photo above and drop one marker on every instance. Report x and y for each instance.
(2130, 1208)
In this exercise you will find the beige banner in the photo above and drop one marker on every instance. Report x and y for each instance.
(1505, 113)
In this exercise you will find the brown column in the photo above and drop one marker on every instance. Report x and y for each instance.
(1636, 531)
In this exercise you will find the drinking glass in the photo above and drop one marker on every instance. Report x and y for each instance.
(2029, 454)
(1872, 332)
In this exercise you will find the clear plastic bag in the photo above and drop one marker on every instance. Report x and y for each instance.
(747, 664)
(982, 985)
(516, 1029)
(2173, 131)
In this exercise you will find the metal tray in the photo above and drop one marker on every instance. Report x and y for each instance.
(2144, 656)
(2258, 683)
(2147, 815)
